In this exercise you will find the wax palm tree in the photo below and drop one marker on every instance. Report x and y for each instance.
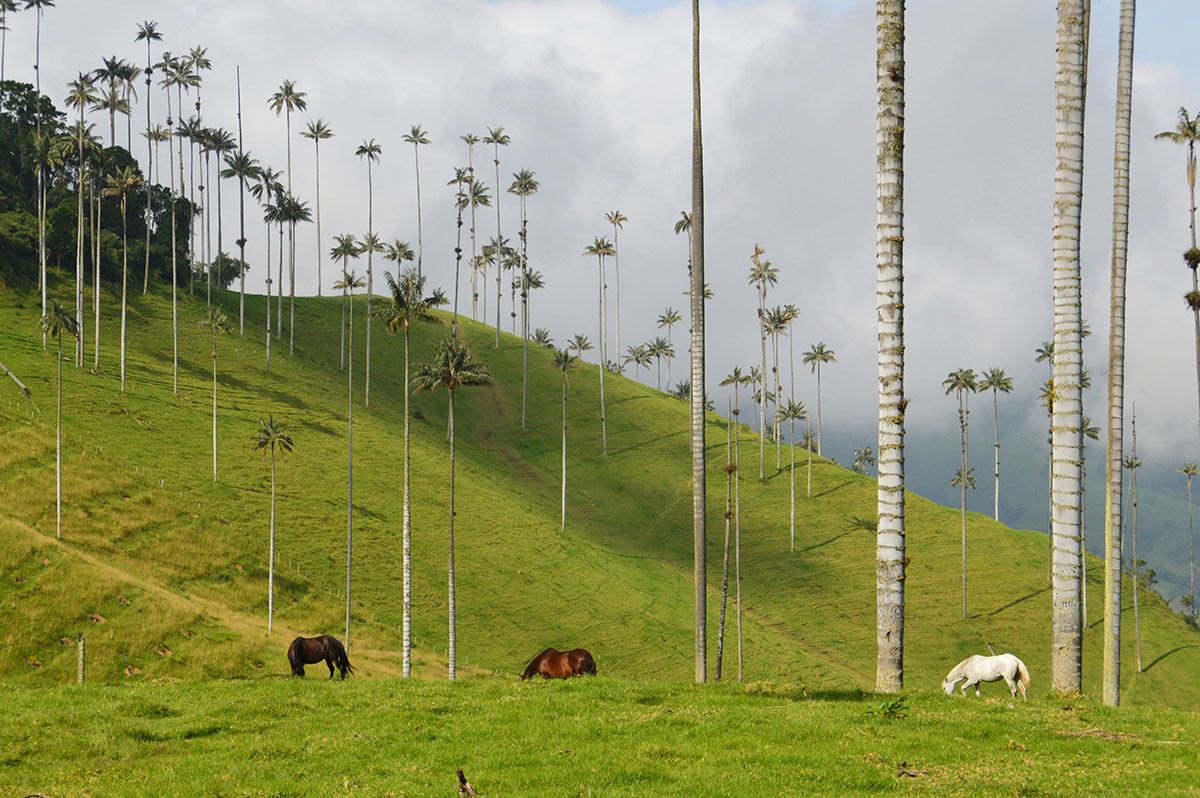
(119, 185)
(1190, 470)
(398, 252)
(199, 63)
(639, 357)
(777, 324)
(864, 458)
(668, 318)
(47, 155)
(541, 337)
(525, 185)
(889, 249)
(996, 381)
(792, 412)
(109, 72)
(1187, 133)
(763, 275)
(129, 75)
(170, 78)
(80, 93)
(284, 101)
(564, 361)
(658, 349)
(39, 144)
(476, 195)
(220, 141)
(156, 135)
(580, 344)
(617, 220)
(818, 355)
(1114, 481)
(600, 247)
(293, 212)
(246, 169)
(497, 138)
(272, 436)
(148, 32)
(1070, 78)
(962, 383)
(318, 131)
(408, 303)
(54, 325)
(268, 190)
(193, 131)
(6, 7)
(416, 137)
(178, 74)
(215, 324)
(370, 152)
(351, 281)
(345, 249)
(452, 368)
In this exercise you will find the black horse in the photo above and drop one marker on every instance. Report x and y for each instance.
(311, 650)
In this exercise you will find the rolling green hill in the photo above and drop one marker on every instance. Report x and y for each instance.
(165, 569)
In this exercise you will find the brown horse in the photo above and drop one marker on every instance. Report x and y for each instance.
(310, 650)
(555, 664)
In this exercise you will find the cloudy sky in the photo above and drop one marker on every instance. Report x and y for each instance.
(595, 96)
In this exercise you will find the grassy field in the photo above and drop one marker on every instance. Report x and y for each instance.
(165, 569)
(584, 737)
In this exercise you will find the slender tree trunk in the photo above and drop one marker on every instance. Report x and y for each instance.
(420, 236)
(808, 456)
(563, 524)
(792, 482)
(342, 350)
(617, 267)
(1191, 551)
(1137, 587)
(242, 218)
(762, 382)
(500, 253)
(407, 542)
(41, 198)
(220, 232)
(600, 344)
(320, 257)
(962, 492)
(524, 312)
(996, 463)
(93, 221)
(889, 230)
(818, 408)
(1114, 477)
(776, 426)
(271, 552)
(80, 279)
(124, 285)
(349, 466)
(149, 168)
(450, 571)
(214, 435)
(699, 503)
(268, 297)
(737, 539)
(58, 444)
(279, 290)
(725, 553)
(370, 280)
(1066, 635)
(206, 223)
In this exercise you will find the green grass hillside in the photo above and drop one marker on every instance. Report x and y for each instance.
(166, 570)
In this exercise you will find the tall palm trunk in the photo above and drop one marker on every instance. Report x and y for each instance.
(220, 242)
(818, 408)
(342, 349)
(737, 538)
(499, 250)
(191, 211)
(699, 504)
(349, 465)
(1137, 618)
(729, 472)
(889, 249)
(600, 316)
(149, 168)
(370, 279)
(279, 289)
(242, 218)
(214, 406)
(996, 461)
(450, 568)
(1191, 551)
(407, 527)
(1116, 366)
(206, 222)
(80, 279)
(776, 426)
(962, 491)
(95, 252)
(58, 444)
(268, 224)
(1066, 632)
(792, 482)
(420, 236)
(124, 284)
(563, 509)
(808, 456)
(271, 552)
(41, 185)
(762, 380)
(320, 282)
(292, 263)
(617, 268)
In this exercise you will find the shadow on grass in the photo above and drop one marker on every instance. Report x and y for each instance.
(829, 490)
(1166, 654)
(1017, 601)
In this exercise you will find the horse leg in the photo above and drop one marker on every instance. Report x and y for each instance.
(329, 664)
(1021, 685)
(1012, 685)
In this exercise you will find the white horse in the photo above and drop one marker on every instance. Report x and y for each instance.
(978, 669)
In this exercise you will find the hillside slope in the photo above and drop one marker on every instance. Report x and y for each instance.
(173, 566)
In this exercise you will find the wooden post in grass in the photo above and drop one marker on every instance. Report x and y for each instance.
(82, 667)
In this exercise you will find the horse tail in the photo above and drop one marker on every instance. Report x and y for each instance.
(342, 660)
(1024, 673)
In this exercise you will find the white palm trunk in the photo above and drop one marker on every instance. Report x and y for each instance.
(699, 488)
(406, 647)
(737, 540)
(271, 552)
(370, 280)
(890, 544)
(600, 317)
(500, 254)
(320, 256)
(94, 251)
(1114, 477)
(214, 406)
(563, 524)
(1066, 631)
(617, 267)
(420, 236)
(452, 650)
(124, 285)
(729, 473)
(1137, 618)
(762, 378)
(58, 445)
(349, 464)
(996, 461)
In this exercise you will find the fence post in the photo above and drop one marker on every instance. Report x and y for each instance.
(82, 657)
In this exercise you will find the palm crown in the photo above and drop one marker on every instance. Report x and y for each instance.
(452, 367)
(317, 131)
(272, 435)
(287, 98)
(416, 136)
(407, 303)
